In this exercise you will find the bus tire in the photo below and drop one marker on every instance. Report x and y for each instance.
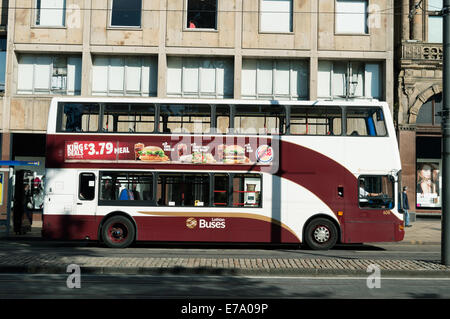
(321, 234)
(118, 232)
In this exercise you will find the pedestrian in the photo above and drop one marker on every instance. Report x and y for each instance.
(405, 206)
(28, 206)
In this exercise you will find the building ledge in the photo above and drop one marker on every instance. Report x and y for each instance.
(422, 51)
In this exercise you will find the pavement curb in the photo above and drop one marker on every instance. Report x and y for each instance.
(215, 271)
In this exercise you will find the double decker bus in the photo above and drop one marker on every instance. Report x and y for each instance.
(120, 170)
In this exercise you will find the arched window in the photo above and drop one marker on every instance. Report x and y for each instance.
(429, 111)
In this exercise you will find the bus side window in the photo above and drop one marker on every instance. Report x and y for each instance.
(79, 117)
(375, 191)
(318, 120)
(220, 190)
(246, 190)
(86, 186)
(262, 120)
(363, 121)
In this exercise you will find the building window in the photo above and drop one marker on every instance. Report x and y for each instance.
(200, 77)
(126, 13)
(275, 79)
(41, 74)
(50, 13)
(275, 16)
(119, 76)
(429, 113)
(344, 79)
(435, 21)
(201, 14)
(351, 17)
(3, 44)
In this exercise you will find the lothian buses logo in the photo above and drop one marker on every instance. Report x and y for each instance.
(191, 223)
(212, 223)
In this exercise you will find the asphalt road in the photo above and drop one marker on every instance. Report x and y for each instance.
(18, 286)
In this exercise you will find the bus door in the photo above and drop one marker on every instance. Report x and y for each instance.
(370, 216)
(86, 194)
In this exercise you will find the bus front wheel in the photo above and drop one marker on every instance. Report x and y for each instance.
(321, 234)
(118, 232)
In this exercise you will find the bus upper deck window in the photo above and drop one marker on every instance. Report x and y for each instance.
(79, 117)
(129, 118)
(363, 121)
(263, 119)
(185, 118)
(317, 120)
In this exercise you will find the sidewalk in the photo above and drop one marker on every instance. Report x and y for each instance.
(422, 233)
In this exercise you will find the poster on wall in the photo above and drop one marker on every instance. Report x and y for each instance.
(428, 181)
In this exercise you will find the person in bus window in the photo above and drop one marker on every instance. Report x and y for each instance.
(364, 195)
(135, 192)
(107, 190)
(126, 194)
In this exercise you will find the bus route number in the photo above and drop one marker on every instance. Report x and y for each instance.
(236, 308)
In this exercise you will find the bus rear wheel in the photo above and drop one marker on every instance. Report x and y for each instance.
(321, 234)
(118, 232)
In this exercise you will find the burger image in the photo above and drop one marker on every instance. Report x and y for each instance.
(234, 154)
(153, 154)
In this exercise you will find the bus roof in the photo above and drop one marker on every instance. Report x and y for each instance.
(103, 99)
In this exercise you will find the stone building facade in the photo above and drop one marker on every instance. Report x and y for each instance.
(419, 58)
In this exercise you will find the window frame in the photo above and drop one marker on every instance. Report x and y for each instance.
(60, 116)
(119, 202)
(376, 109)
(130, 108)
(79, 190)
(180, 66)
(349, 74)
(363, 176)
(37, 11)
(337, 107)
(295, 66)
(164, 196)
(281, 120)
(366, 16)
(3, 56)
(198, 29)
(161, 130)
(50, 91)
(291, 17)
(146, 61)
(231, 190)
(110, 18)
(432, 12)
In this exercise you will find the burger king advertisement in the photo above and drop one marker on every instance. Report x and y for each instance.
(191, 150)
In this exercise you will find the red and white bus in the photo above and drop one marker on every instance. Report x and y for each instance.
(120, 170)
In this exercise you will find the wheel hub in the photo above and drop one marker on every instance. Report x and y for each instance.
(321, 234)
